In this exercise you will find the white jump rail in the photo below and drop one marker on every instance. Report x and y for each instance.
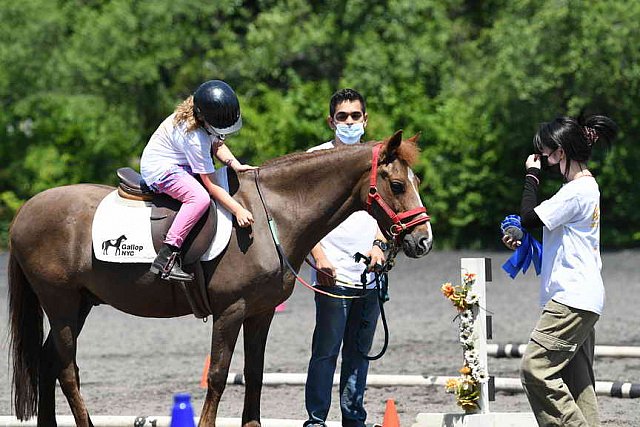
(517, 350)
(509, 385)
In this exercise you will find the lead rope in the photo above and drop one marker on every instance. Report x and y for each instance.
(382, 288)
(383, 296)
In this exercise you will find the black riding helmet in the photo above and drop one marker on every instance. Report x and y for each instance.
(216, 103)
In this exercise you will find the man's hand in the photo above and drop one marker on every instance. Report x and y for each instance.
(377, 258)
(327, 272)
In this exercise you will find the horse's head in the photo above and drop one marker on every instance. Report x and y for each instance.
(392, 195)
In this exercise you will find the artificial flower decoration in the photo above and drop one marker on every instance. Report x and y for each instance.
(448, 289)
(467, 387)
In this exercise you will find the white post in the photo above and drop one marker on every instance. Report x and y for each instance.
(481, 267)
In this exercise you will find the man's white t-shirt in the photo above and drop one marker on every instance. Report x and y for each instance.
(571, 261)
(354, 234)
(172, 146)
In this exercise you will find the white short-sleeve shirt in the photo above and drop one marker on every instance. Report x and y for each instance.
(172, 146)
(354, 234)
(571, 261)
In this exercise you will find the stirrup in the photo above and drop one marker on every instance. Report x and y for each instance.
(171, 269)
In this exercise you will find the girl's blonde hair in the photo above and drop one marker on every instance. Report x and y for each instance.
(184, 113)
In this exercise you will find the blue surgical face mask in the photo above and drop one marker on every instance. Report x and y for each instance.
(349, 134)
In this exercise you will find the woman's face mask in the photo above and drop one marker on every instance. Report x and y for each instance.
(349, 134)
(552, 170)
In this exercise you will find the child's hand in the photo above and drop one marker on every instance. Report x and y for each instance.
(244, 217)
(242, 167)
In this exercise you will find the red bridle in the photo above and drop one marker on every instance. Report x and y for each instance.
(397, 219)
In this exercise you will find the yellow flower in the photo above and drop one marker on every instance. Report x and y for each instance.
(451, 384)
(465, 370)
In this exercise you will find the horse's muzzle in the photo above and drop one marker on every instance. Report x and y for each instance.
(417, 246)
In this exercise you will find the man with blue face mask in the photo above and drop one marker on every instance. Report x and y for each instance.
(347, 116)
(341, 320)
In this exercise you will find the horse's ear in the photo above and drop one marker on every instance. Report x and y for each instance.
(414, 139)
(392, 144)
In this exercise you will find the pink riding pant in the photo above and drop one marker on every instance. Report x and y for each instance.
(195, 199)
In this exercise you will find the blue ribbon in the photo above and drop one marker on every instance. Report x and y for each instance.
(529, 251)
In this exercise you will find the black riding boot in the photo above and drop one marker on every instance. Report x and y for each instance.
(167, 263)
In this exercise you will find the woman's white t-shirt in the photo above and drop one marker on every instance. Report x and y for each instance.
(172, 146)
(571, 261)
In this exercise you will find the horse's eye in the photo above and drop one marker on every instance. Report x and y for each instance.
(397, 187)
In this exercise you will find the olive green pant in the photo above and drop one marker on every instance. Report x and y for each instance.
(557, 368)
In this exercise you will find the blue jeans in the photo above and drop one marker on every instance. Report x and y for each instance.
(352, 324)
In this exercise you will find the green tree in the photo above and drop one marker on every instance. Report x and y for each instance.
(83, 84)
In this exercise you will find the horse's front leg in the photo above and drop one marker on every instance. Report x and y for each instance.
(255, 329)
(226, 328)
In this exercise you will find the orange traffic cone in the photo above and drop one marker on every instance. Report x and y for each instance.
(391, 418)
(204, 383)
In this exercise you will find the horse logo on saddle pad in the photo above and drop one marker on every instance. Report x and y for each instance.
(142, 218)
(113, 243)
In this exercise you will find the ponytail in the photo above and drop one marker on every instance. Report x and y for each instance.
(600, 129)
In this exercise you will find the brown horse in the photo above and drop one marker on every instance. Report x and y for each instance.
(306, 194)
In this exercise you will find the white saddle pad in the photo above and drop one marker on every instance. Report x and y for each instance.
(121, 229)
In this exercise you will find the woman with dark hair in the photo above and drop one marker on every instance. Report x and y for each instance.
(557, 367)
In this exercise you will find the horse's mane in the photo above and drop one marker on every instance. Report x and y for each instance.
(408, 151)
(288, 158)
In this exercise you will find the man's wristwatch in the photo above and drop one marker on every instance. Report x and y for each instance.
(382, 245)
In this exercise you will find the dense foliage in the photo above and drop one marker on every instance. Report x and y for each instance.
(83, 83)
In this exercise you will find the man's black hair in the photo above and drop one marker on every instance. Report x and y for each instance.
(346, 95)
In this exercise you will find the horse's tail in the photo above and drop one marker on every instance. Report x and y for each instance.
(26, 333)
